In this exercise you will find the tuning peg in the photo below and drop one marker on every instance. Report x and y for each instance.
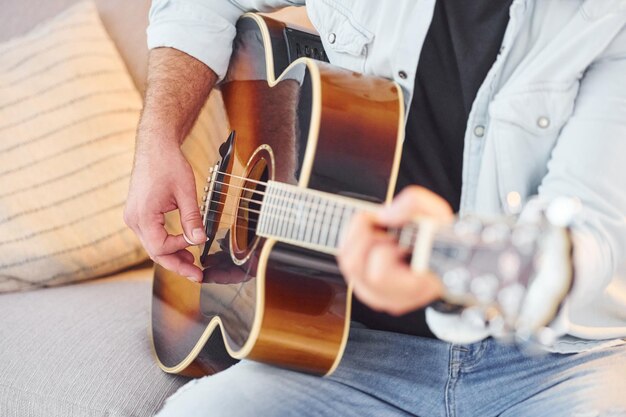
(457, 281)
(562, 211)
(496, 233)
(485, 287)
(475, 317)
(524, 238)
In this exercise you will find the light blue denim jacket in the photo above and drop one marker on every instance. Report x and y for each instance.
(549, 120)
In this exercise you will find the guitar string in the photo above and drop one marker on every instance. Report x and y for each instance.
(275, 196)
(407, 232)
(393, 231)
(290, 214)
(243, 178)
(283, 210)
(305, 204)
(314, 208)
(408, 228)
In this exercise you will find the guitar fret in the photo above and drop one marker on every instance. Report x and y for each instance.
(309, 221)
(313, 219)
(289, 214)
(301, 218)
(325, 225)
(292, 230)
(319, 221)
(335, 222)
(273, 213)
(284, 212)
(261, 225)
(341, 225)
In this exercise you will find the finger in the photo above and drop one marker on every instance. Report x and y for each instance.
(155, 238)
(360, 235)
(382, 260)
(181, 262)
(187, 256)
(415, 201)
(392, 286)
(190, 218)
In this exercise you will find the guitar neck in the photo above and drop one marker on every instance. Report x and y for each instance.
(307, 218)
(316, 220)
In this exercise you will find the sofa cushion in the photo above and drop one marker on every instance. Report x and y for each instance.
(81, 351)
(68, 114)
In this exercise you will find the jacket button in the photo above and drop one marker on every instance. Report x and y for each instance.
(402, 75)
(479, 131)
(332, 38)
(543, 122)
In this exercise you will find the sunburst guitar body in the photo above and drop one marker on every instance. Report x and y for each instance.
(304, 123)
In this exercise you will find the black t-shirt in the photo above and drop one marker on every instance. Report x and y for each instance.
(460, 47)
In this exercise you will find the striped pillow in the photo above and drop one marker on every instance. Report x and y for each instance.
(68, 113)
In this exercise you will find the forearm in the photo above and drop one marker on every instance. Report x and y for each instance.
(178, 86)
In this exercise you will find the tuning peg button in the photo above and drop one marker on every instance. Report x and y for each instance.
(456, 281)
(495, 233)
(485, 288)
(510, 299)
(509, 263)
(475, 317)
(524, 238)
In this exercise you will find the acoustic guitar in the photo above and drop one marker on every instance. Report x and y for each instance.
(311, 145)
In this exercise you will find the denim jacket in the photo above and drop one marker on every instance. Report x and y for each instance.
(549, 120)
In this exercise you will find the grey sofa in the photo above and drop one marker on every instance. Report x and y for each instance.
(83, 350)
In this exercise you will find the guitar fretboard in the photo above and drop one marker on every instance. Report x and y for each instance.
(306, 217)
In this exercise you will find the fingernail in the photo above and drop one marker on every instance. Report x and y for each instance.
(198, 234)
(192, 279)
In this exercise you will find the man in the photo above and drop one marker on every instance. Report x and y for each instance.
(509, 104)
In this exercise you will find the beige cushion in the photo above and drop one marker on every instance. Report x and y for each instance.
(68, 113)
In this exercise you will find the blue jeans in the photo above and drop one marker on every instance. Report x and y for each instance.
(389, 374)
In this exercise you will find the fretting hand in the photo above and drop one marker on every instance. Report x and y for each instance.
(373, 263)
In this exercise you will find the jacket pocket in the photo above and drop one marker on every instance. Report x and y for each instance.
(525, 128)
(345, 40)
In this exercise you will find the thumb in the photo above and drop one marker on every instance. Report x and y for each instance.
(190, 218)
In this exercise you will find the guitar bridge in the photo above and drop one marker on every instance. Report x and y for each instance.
(208, 192)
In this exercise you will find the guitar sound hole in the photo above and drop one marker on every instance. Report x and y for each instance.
(243, 233)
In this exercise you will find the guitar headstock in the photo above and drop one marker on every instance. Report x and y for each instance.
(489, 267)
